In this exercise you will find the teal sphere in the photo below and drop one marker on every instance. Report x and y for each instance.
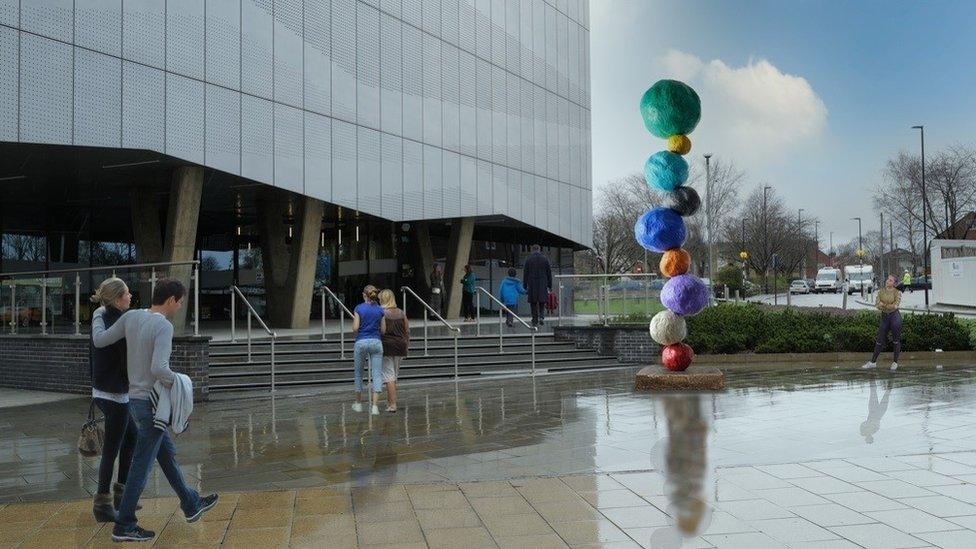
(670, 107)
(665, 171)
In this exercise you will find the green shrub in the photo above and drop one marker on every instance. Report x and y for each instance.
(930, 332)
(855, 338)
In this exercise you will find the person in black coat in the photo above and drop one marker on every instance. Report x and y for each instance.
(537, 279)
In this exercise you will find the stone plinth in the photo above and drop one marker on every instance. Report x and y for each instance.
(657, 378)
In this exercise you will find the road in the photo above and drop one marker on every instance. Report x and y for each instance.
(908, 300)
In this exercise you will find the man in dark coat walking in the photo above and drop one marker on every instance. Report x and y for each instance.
(537, 279)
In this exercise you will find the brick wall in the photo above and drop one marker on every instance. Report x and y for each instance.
(59, 363)
(632, 345)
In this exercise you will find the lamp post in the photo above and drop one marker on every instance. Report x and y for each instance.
(925, 234)
(799, 233)
(860, 249)
(881, 265)
(816, 247)
(766, 242)
(830, 250)
(708, 221)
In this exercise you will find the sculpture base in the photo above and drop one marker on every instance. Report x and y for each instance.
(657, 378)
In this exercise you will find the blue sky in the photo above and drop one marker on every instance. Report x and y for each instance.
(809, 97)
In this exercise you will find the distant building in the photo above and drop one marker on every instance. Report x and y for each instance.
(963, 229)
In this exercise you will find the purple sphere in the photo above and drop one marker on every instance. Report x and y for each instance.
(685, 295)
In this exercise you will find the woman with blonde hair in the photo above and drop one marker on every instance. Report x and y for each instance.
(110, 392)
(369, 325)
(396, 343)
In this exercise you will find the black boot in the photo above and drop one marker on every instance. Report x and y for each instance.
(102, 508)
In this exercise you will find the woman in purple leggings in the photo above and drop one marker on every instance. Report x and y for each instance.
(888, 300)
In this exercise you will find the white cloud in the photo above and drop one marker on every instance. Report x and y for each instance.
(750, 111)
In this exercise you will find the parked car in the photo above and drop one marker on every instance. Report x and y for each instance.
(799, 286)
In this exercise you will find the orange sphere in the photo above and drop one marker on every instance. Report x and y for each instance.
(674, 262)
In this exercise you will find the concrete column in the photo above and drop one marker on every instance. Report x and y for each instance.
(458, 252)
(304, 256)
(274, 252)
(145, 224)
(426, 254)
(186, 190)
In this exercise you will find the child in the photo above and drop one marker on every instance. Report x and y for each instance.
(508, 293)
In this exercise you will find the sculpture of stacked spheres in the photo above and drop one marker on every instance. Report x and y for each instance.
(671, 110)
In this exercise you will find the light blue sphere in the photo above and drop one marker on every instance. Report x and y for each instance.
(665, 171)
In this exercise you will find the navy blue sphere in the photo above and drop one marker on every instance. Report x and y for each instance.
(660, 229)
(665, 171)
(684, 200)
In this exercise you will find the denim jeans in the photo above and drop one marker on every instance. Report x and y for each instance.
(152, 443)
(120, 441)
(368, 350)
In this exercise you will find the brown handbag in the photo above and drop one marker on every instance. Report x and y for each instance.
(92, 434)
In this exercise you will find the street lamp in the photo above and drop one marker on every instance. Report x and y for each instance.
(816, 248)
(860, 252)
(766, 242)
(925, 234)
(799, 232)
(708, 218)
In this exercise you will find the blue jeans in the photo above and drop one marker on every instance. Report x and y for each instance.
(152, 443)
(368, 350)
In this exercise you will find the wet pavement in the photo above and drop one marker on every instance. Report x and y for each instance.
(826, 456)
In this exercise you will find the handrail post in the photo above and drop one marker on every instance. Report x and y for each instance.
(533, 350)
(152, 283)
(501, 332)
(559, 305)
(425, 332)
(233, 316)
(43, 306)
(249, 335)
(13, 308)
(273, 336)
(323, 315)
(196, 299)
(77, 303)
(342, 333)
(477, 313)
(456, 332)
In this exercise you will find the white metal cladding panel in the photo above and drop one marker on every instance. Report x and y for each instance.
(413, 12)
(433, 183)
(391, 176)
(512, 29)
(576, 220)
(562, 54)
(527, 130)
(450, 113)
(553, 205)
(370, 187)
(539, 42)
(318, 156)
(318, 57)
(9, 77)
(498, 32)
(391, 7)
(552, 42)
(143, 109)
(184, 118)
(469, 186)
(525, 39)
(514, 194)
(257, 43)
(483, 28)
(513, 148)
(374, 3)
(185, 24)
(450, 25)
(97, 104)
(575, 154)
(539, 132)
(484, 188)
(343, 163)
(552, 136)
(499, 104)
(391, 76)
(223, 139)
(563, 126)
(499, 189)
(467, 26)
(368, 66)
(528, 198)
(288, 148)
(45, 90)
(467, 111)
(344, 59)
(51, 18)
(452, 184)
(574, 62)
(542, 203)
(10, 12)
(257, 132)
(98, 25)
(587, 151)
(431, 16)
(144, 32)
(483, 96)
(413, 105)
(586, 71)
(288, 51)
(413, 178)
(432, 90)
(224, 43)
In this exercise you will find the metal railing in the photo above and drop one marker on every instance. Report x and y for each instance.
(235, 292)
(45, 275)
(428, 309)
(343, 311)
(610, 300)
(502, 308)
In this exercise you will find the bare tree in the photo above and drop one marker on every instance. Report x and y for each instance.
(23, 247)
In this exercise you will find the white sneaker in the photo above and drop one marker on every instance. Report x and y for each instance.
(870, 365)
(374, 410)
(357, 406)
(894, 366)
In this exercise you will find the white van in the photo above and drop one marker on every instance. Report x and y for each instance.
(828, 280)
(859, 278)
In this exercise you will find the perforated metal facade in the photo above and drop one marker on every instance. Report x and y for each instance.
(403, 109)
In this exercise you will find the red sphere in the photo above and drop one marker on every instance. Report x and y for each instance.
(677, 357)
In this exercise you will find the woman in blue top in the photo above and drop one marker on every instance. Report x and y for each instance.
(369, 325)
(508, 293)
(468, 289)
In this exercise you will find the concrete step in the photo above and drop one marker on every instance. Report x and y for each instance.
(416, 355)
(333, 340)
(328, 351)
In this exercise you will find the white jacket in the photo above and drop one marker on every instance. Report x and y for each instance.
(172, 405)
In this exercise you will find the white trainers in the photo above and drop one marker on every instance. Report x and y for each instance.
(374, 410)
(357, 406)
(894, 366)
(870, 365)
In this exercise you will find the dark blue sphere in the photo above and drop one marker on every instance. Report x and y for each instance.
(660, 230)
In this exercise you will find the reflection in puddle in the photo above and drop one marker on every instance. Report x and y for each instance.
(876, 410)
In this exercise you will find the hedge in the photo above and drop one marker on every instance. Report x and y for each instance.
(729, 328)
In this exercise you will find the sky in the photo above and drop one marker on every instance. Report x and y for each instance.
(810, 97)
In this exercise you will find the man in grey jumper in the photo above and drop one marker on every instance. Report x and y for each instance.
(148, 336)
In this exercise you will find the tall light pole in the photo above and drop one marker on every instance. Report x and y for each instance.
(816, 247)
(708, 221)
(881, 265)
(799, 232)
(925, 233)
(830, 251)
(891, 242)
(860, 247)
(766, 242)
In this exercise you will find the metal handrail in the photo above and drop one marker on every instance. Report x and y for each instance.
(428, 308)
(343, 311)
(195, 276)
(603, 292)
(501, 331)
(250, 312)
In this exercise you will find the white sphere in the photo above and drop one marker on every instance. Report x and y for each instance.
(668, 328)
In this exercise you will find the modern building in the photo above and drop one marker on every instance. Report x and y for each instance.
(350, 141)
